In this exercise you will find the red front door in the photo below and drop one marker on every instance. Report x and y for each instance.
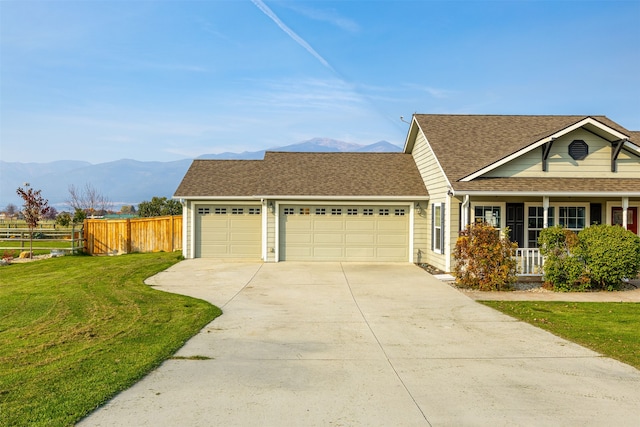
(632, 218)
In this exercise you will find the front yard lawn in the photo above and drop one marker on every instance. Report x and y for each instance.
(76, 330)
(611, 329)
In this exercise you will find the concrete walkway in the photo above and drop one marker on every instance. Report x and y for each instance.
(349, 344)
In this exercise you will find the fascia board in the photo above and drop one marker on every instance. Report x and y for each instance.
(214, 198)
(632, 147)
(345, 198)
(528, 148)
(411, 135)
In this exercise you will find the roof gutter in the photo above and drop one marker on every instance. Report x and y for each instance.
(547, 193)
(345, 198)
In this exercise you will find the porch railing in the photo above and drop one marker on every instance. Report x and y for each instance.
(529, 262)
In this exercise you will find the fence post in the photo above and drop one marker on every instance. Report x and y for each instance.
(128, 237)
(171, 231)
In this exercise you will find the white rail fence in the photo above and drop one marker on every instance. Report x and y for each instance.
(529, 262)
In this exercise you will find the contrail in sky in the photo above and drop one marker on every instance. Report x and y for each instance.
(265, 9)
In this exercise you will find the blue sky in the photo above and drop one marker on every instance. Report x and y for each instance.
(167, 80)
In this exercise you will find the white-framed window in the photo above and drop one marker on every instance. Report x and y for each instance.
(352, 211)
(367, 212)
(383, 212)
(321, 211)
(535, 223)
(489, 214)
(336, 211)
(220, 211)
(437, 227)
(305, 211)
(399, 212)
(204, 211)
(289, 211)
(572, 217)
(237, 211)
(254, 211)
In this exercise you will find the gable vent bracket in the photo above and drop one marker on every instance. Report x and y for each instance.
(616, 146)
(546, 149)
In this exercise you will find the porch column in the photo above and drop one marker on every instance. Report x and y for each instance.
(545, 212)
(466, 213)
(625, 208)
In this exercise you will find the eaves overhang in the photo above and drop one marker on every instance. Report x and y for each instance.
(546, 193)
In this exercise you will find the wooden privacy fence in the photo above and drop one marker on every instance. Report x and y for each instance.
(123, 236)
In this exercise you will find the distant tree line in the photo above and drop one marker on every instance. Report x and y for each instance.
(88, 202)
(159, 206)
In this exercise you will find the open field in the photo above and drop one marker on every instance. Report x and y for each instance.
(610, 328)
(76, 330)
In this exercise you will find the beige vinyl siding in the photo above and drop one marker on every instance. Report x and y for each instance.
(421, 233)
(560, 164)
(188, 214)
(271, 233)
(437, 186)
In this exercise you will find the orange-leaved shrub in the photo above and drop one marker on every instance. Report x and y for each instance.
(485, 259)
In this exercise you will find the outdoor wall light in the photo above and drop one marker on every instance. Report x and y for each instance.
(419, 208)
(272, 208)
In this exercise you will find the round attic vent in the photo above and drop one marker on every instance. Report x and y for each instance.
(578, 149)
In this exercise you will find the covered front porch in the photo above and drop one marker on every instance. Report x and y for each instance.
(523, 217)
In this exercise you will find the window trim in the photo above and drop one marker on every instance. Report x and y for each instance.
(439, 229)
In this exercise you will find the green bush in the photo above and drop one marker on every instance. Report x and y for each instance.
(563, 269)
(485, 260)
(610, 254)
(599, 257)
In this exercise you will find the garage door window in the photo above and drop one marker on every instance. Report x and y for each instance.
(254, 211)
(384, 212)
(203, 211)
(367, 212)
(336, 211)
(237, 211)
(352, 211)
(304, 211)
(220, 211)
(321, 211)
(399, 212)
(289, 211)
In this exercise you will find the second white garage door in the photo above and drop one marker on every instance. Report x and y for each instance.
(344, 233)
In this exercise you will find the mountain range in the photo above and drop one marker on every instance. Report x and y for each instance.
(129, 182)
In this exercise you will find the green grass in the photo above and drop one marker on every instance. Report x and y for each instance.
(608, 328)
(76, 330)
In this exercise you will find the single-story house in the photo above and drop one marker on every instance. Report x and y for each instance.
(520, 172)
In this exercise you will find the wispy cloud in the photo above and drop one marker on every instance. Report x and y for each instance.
(330, 16)
(267, 11)
(434, 92)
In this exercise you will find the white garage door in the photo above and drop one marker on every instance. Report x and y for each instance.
(228, 232)
(344, 233)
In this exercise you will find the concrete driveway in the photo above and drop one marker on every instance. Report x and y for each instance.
(350, 344)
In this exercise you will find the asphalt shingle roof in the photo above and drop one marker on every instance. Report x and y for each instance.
(464, 144)
(306, 174)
